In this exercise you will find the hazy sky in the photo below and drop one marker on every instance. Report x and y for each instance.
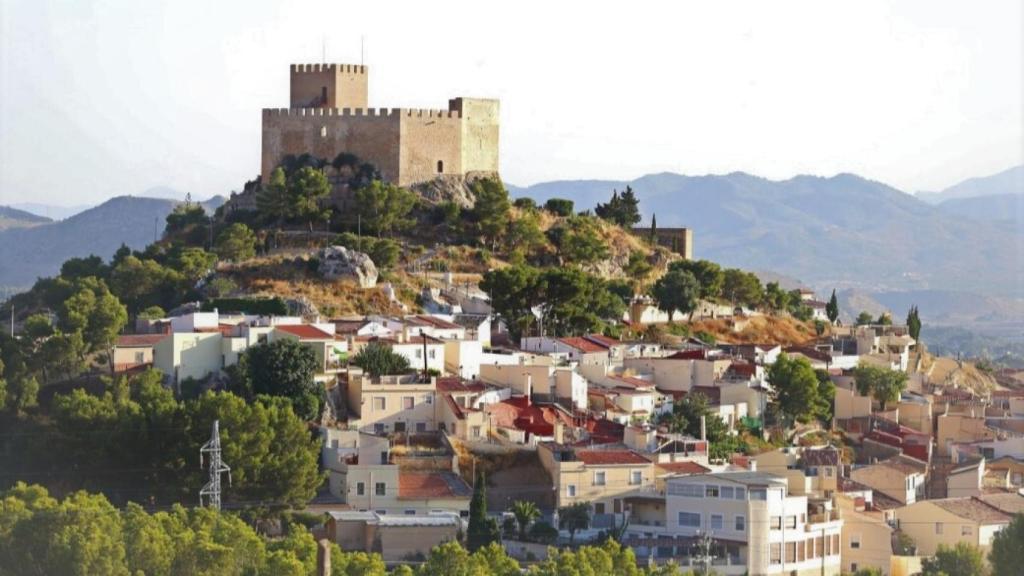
(100, 98)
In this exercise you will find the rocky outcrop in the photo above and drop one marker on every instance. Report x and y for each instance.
(339, 262)
(452, 188)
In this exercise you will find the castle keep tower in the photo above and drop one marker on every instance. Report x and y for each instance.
(329, 115)
(328, 86)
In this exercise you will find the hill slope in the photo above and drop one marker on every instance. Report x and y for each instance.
(13, 218)
(29, 253)
(842, 231)
(1006, 210)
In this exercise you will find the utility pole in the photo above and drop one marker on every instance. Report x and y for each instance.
(704, 555)
(217, 466)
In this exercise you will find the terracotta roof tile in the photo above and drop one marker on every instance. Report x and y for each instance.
(610, 457)
(683, 468)
(305, 332)
(972, 509)
(139, 340)
(582, 344)
(421, 485)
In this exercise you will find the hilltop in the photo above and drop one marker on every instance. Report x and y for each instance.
(13, 218)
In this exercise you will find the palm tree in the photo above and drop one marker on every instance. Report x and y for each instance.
(525, 512)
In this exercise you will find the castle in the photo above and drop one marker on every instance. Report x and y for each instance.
(329, 115)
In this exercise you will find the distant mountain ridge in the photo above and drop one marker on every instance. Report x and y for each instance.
(30, 253)
(1009, 181)
(13, 218)
(843, 231)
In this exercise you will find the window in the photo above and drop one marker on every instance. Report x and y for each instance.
(741, 493)
(800, 555)
(711, 491)
(140, 357)
(383, 456)
(819, 547)
(689, 520)
(855, 541)
(790, 522)
(380, 428)
(775, 554)
(380, 489)
(323, 95)
(380, 403)
(716, 522)
(410, 512)
(599, 508)
(853, 566)
(828, 472)
(965, 530)
(790, 551)
(938, 528)
(758, 494)
(432, 354)
(429, 399)
(323, 131)
(776, 523)
(740, 523)
(599, 478)
(570, 490)
(408, 402)
(727, 492)
(687, 490)
(828, 546)
(360, 489)
(635, 477)
(399, 426)
(810, 549)
(440, 166)
(476, 431)
(381, 512)
(835, 544)
(421, 427)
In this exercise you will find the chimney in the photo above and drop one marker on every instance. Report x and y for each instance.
(752, 465)
(323, 558)
(703, 429)
(529, 389)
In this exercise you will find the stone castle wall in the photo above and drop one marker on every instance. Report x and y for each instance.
(407, 145)
(329, 86)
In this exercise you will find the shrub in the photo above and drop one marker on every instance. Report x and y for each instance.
(559, 207)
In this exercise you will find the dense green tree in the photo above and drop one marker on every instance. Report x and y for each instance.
(884, 319)
(184, 217)
(559, 207)
(794, 388)
(832, 308)
(192, 263)
(524, 235)
(152, 313)
(825, 402)
(272, 198)
(637, 268)
(384, 252)
(574, 517)
(491, 209)
(75, 268)
(677, 290)
(307, 190)
(384, 208)
(708, 274)
(22, 394)
(864, 318)
(285, 367)
(574, 302)
(623, 209)
(482, 529)
(236, 242)
(742, 288)
(525, 512)
(775, 298)
(94, 312)
(579, 240)
(914, 323)
(883, 384)
(377, 359)
(513, 293)
(1007, 553)
(686, 415)
(142, 283)
(3, 386)
(960, 560)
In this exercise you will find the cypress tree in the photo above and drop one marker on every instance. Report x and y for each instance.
(482, 530)
(832, 308)
(654, 228)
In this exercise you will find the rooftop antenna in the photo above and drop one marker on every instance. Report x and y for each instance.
(212, 488)
(362, 50)
(323, 50)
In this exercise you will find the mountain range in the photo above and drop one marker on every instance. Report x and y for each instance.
(34, 247)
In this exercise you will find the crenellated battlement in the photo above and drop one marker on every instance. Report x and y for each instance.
(377, 112)
(320, 68)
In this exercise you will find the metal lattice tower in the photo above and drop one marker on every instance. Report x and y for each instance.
(212, 488)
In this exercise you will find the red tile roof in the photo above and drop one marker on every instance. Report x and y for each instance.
(631, 382)
(700, 354)
(610, 457)
(419, 340)
(602, 340)
(420, 485)
(456, 384)
(582, 344)
(139, 340)
(683, 468)
(433, 321)
(305, 332)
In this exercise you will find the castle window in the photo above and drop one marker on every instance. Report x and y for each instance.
(323, 95)
(440, 166)
(323, 131)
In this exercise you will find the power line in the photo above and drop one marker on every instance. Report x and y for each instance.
(212, 488)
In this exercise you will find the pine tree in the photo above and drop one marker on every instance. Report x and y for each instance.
(654, 228)
(482, 530)
(832, 308)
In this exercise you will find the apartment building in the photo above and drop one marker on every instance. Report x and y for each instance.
(386, 404)
(950, 521)
(599, 476)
